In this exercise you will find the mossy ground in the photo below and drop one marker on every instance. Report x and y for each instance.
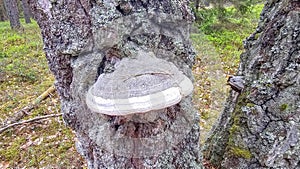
(218, 43)
(24, 75)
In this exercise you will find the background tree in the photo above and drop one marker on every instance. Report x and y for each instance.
(26, 11)
(12, 10)
(84, 39)
(260, 126)
(3, 15)
(197, 3)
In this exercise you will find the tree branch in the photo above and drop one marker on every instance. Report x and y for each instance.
(21, 113)
(29, 120)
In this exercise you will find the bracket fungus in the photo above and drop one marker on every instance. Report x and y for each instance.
(138, 85)
(237, 83)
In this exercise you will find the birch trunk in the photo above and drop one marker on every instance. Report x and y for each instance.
(83, 39)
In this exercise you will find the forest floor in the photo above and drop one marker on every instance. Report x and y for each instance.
(48, 143)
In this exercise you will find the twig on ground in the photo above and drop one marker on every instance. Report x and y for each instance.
(29, 120)
(25, 111)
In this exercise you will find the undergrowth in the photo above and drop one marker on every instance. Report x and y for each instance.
(228, 32)
(218, 41)
(24, 75)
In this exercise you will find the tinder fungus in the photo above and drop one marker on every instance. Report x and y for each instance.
(138, 85)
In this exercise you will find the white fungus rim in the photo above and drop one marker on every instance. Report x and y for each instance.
(141, 104)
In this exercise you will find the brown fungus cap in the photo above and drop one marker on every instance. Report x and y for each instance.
(138, 85)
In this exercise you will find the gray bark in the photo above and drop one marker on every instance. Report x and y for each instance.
(83, 39)
(260, 127)
(3, 15)
(26, 11)
(12, 13)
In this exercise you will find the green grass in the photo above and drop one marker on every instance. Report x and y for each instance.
(23, 67)
(24, 75)
(219, 46)
(228, 33)
(18, 48)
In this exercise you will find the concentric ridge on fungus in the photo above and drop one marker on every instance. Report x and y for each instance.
(138, 85)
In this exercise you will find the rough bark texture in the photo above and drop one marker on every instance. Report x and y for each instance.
(260, 127)
(84, 39)
(13, 13)
(26, 11)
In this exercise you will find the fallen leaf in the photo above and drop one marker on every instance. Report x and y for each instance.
(4, 164)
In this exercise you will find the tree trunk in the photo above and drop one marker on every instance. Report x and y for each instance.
(83, 39)
(260, 127)
(26, 11)
(13, 13)
(3, 15)
(197, 2)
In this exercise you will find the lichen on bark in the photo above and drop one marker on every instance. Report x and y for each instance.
(260, 127)
(84, 39)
